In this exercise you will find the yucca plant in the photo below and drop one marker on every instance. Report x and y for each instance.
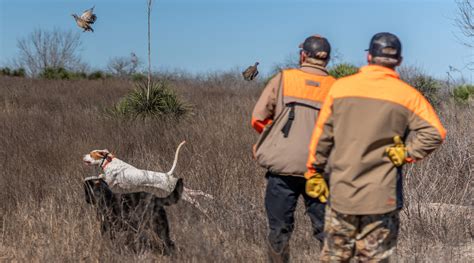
(156, 100)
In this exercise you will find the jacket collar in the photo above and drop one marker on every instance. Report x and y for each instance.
(312, 68)
(376, 69)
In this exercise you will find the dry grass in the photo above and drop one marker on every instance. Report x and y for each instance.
(48, 125)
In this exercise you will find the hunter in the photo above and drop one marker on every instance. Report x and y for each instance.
(285, 115)
(364, 125)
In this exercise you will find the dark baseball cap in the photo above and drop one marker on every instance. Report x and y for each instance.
(316, 47)
(385, 45)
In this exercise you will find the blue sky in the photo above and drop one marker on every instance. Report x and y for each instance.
(210, 35)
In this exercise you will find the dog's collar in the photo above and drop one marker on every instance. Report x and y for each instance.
(105, 161)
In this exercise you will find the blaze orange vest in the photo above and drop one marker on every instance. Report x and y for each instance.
(303, 89)
(301, 95)
(305, 86)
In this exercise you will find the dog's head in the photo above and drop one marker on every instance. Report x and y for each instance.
(95, 190)
(96, 157)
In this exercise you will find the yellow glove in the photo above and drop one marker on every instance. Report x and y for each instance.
(316, 187)
(398, 152)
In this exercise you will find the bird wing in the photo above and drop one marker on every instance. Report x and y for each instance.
(90, 10)
(250, 73)
(89, 16)
(247, 73)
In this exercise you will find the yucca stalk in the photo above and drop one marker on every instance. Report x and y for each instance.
(149, 51)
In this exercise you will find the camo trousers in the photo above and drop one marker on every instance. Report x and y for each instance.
(365, 238)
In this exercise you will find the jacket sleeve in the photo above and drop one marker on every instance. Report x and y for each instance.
(322, 139)
(264, 110)
(429, 132)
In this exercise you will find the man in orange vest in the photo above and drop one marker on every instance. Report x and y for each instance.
(285, 115)
(364, 125)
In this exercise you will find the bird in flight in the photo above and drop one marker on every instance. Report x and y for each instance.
(251, 72)
(86, 19)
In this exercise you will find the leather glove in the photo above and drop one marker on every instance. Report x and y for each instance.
(398, 152)
(316, 186)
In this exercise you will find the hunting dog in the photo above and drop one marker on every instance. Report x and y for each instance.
(122, 177)
(133, 216)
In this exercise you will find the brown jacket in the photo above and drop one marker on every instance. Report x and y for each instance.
(286, 114)
(361, 115)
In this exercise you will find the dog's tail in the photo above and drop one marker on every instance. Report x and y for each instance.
(175, 158)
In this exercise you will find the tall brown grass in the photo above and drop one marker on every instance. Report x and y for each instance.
(46, 127)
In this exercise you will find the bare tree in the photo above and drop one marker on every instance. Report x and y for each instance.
(43, 49)
(465, 20)
(124, 66)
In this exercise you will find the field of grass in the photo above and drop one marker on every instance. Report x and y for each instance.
(48, 125)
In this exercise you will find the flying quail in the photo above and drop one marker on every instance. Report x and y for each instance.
(86, 19)
(251, 72)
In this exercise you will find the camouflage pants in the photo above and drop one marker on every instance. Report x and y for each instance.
(365, 238)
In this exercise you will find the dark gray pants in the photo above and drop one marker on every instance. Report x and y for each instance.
(281, 198)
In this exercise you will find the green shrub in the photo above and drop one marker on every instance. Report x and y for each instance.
(19, 72)
(138, 77)
(78, 75)
(98, 74)
(343, 70)
(425, 84)
(5, 71)
(55, 73)
(428, 86)
(61, 73)
(162, 102)
(464, 93)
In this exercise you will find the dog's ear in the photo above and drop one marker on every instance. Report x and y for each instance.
(107, 153)
(99, 154)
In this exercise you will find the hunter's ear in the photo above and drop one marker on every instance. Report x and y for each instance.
(369, 58)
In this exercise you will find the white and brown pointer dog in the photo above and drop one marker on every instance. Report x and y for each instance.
(122, 177)
(129, 219)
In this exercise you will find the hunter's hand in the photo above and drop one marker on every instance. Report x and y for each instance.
(316, 187)
(398, 152)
